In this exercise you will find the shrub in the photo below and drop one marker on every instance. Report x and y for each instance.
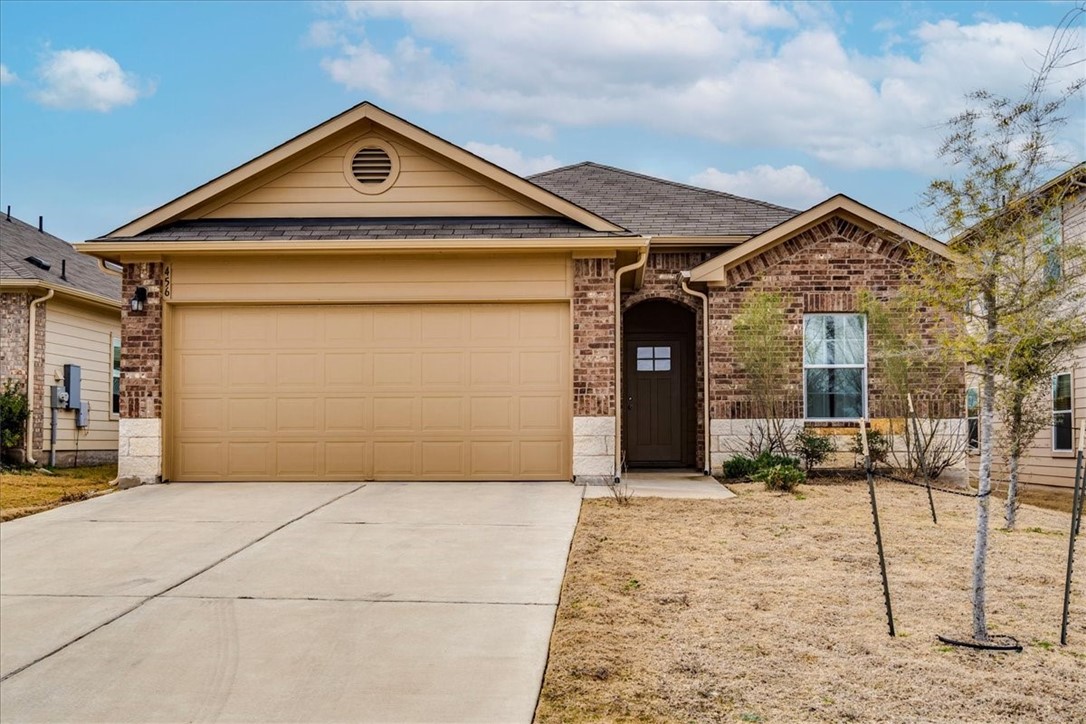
(784, 478)
(878, 445)
(812, 448)
(739, 467)
(14, 410)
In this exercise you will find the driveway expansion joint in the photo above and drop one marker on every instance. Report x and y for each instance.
(163, 592)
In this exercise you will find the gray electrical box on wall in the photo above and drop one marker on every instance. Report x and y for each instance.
(82, 415)
(71, 383)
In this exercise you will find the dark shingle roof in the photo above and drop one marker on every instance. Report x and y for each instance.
(647, 205)
(18, 240)
(542, 227)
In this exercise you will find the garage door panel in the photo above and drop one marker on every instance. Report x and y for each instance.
(249, 370)
(394, 460)
(250, 459)
(396, 370)
(442, 458)
(491, 457)
(493, 367)
(428, 392)
(543, 458)
(541, 414)
(345, 459)
(347, 414)
(395, 414)
(201, 415)
(443, 414)
(298, 460)
(298, 371)
(202, 459)
(249, 415)
(299, 414)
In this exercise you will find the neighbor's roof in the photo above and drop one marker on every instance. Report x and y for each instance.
(543, 227)
(653, 206)
(19, 240)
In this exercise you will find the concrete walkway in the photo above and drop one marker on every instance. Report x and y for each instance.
(666, 484)
(283, 602)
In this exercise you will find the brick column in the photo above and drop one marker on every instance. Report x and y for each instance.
(139, 451)
(593, 370)
(15, 318)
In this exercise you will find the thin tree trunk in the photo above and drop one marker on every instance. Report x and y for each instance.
(984, 489)
(1010, 513)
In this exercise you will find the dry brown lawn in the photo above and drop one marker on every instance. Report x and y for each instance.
(768, 607)
(23, 492)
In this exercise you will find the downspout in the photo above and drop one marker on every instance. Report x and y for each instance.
(31, 379)
(641, 259)
(683, 277)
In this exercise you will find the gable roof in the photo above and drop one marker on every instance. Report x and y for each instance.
(657, 207)
(715, 269)
(19, 240)
(365, 111)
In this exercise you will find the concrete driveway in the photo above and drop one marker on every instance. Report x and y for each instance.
(284, 602)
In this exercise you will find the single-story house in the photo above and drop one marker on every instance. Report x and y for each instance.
(368, 301)
(60, 313)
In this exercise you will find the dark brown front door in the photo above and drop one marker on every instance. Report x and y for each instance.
(657, 431)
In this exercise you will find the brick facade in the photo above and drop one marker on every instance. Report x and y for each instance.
(593, 337)
(823, 269)
(14, 328)
(141, 343)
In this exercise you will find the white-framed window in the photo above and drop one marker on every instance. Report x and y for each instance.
(1051, 241)
(972, 417)
(115, 382)
(1062, 404)
(834, 366)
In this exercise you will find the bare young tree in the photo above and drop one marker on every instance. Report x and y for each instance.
(763, 355)
(1000, 150)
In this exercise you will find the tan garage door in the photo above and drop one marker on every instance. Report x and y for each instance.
(408, 392)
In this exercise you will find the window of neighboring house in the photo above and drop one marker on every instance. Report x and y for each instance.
(1061, 411)
(1051, 241)
(835, 366)
(972, 417)
(116, 347)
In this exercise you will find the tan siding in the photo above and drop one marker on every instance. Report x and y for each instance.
(372, 279)
(426, 186)
(82, 335)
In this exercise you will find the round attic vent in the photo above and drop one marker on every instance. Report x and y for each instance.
(371, 166)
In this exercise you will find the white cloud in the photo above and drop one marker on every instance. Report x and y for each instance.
(86, 80)
(513, 160)
(791, 186)
(6, 76)
(741, 73)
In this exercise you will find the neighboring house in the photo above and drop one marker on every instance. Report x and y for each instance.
(60, 308)
(369, 301)
(1050, 460)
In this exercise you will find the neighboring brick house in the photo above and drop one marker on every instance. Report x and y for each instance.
(71, 308)
(369, 301)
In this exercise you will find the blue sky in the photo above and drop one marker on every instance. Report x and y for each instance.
(110, 109)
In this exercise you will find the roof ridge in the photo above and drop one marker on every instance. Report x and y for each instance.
(560, 168)
(690, 187)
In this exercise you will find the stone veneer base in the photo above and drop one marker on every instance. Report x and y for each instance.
(593, 450)
(139, 449)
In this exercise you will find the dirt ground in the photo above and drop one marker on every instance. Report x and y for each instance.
(23, 492)
(768, 608)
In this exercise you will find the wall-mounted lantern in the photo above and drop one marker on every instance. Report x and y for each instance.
(139, 300)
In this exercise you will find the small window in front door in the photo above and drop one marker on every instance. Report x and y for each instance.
(654, 359)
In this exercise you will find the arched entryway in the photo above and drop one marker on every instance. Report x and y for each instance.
(659, 428)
